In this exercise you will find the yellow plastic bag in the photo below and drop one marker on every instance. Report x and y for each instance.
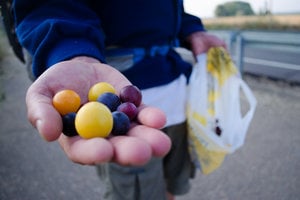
(216, 124)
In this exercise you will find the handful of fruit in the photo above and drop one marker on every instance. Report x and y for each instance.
(105, 114)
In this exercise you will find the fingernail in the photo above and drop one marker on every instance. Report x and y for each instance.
(38, 126)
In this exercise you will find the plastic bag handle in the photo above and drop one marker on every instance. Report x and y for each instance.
(252, 104)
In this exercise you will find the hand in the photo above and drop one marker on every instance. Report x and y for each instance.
(144, 141)
(200, 42)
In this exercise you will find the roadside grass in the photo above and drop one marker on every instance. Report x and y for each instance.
(2, 38)
(263, 22)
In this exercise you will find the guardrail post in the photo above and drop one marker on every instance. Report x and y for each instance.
(231, 40)
(240, 52)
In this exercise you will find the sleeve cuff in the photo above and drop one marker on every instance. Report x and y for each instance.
(190, 24)
(72, 47)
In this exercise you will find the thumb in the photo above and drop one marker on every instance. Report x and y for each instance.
(42, 114)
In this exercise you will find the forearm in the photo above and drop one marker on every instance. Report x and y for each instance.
(53, 32)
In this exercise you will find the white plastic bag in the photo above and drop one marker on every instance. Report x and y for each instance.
(216, 124)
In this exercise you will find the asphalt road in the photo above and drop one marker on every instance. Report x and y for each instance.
(265, 168)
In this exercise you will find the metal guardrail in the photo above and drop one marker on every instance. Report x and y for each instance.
(237, 41)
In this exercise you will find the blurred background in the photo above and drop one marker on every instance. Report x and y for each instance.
(215, 8)
(263, 38)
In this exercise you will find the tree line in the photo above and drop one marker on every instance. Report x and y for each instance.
(236, 8)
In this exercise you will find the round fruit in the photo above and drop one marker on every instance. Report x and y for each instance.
(129, 109)
(66, 101)
(131, 93)
(69, 124)
(93, 119)
(112, 101)
(121, 123)
(98, 89)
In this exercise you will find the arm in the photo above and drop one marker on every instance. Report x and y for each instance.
(53, 31)
(71, 59)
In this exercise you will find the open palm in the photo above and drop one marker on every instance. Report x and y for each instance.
(144, 139)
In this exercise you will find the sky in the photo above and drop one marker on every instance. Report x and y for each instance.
(205, 8)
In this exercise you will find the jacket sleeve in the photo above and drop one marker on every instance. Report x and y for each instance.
(53, 31)
(190, 24)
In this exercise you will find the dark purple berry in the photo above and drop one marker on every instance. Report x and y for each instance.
(131, 93)
(121, 123)
(218, 131)
(69, 124)
(129, 109)
(111, 100)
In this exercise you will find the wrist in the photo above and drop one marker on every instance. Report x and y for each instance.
(194, 36)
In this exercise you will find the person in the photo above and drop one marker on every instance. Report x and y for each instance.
(74, 44)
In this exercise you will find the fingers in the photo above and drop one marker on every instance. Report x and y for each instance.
(134, 150)
(151, 116)
(216, 42)
(159, 142)
(141, 144)
(87, 152)
(131, 150)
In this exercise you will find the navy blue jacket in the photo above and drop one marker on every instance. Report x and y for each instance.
(56, 30)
